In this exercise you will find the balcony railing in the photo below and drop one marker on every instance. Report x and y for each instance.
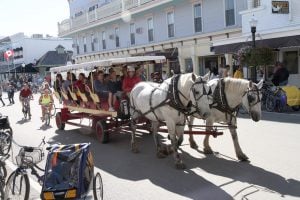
(108, 10)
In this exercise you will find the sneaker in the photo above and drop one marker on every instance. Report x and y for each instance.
(111, 109)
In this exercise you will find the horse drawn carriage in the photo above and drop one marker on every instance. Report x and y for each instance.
(169, 104)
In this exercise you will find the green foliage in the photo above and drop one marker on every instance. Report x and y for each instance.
(261, 56)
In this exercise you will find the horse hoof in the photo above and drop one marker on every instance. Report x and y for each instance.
(135, 150)
(161, 155)
(180, 166)
(208, 151)
(193, 145)
(167, 150)
(243, 158)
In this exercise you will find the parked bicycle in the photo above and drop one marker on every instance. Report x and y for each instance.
(69, 173)
(5, 146)
(273, 98)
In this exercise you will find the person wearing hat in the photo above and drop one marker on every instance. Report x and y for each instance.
(26, 95)
(130, 80)
(45, 100)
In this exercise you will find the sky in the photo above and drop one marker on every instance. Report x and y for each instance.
(32, 16)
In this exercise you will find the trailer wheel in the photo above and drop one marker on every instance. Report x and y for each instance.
(296, 108)
(60, 125)
(101, 133)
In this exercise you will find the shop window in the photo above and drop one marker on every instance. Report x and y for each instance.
(188, 65)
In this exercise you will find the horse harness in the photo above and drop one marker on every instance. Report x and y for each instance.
(173, 99)
(220, 101)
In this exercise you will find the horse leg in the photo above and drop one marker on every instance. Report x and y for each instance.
(134, 147)
(193, 144)
(172, 129)
(238, 151)
(159, 151)
(207, 149)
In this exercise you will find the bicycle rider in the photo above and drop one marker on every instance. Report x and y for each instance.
(26, 95)
(46, 100)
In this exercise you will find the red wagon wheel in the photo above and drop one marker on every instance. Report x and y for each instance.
(60, 125)
(101, 132)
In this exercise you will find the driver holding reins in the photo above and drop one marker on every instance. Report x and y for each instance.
(45, 101)
(26, 95)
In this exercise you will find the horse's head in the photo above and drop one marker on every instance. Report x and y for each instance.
(252, 100)
(201, 96)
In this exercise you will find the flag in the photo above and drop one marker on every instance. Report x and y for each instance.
(8, 54)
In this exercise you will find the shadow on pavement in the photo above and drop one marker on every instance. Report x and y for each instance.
(116, 158)
(245, 172)
(22, 121)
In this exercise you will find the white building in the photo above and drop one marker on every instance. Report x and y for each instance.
(27, 50)
(278, 27)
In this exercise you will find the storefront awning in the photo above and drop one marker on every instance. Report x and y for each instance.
(274, 43)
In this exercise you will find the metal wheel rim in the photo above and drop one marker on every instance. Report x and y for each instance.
(5, 142)
(9, 194)
(98, 186)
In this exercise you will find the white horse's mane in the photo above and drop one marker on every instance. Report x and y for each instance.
(234, 85)
(235, 89)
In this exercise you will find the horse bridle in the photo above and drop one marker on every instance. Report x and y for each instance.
(250, 98)
(194, 92)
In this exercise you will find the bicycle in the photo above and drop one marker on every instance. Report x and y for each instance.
(5, 146)
(18, 185)
(75, 159)
(26, 108)
(48, 114)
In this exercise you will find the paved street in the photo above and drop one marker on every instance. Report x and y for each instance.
(271, 144)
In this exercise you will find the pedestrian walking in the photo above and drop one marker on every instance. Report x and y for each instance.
(1, 90)
(11, 93)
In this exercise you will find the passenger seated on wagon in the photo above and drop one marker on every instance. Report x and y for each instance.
(114, 87)
(130, 81)
(101, 88)
(80, 82)
(66, 84)
(58, 85)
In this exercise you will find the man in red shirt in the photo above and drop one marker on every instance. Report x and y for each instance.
(26, 95)
(130, 80)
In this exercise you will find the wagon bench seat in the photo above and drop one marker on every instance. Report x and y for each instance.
(92, 111)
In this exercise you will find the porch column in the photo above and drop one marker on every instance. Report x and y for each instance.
(195, 60)
(229, 61)
(181, 60)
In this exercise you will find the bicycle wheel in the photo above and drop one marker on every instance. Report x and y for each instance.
(47, 119)
(98, 187)
(5, 142)
(270, 104)
(3, 172)
(2, 192)
(17, 186)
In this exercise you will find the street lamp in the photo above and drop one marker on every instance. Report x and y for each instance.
(253, 23)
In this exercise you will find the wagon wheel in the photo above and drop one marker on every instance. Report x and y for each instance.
(60, 125)
(98, 187)
(101, 133)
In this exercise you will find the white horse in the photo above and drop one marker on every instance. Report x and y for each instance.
(226, 100)
(169, 102)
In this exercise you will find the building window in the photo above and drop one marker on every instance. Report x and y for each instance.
(256, 3)
(229, 12)
(132, 34)
(103, 40)
(197, 18)
(150, 30)
(84, 45)
(290, 60)
(77, 46)
(170, 21)
(117, 30)
(92, 42)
